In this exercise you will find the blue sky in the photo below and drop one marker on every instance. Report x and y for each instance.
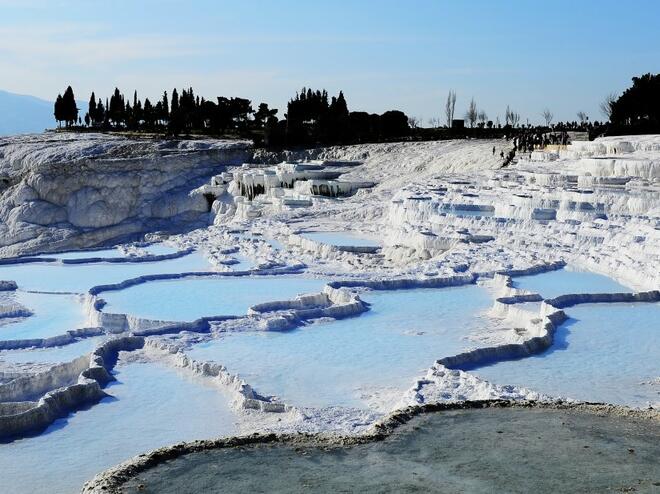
(563, 55)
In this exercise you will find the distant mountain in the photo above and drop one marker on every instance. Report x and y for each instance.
(21, 114)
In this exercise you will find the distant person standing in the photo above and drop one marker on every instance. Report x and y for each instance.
(493, 150)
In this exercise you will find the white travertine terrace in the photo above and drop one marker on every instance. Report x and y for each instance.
(444, 213)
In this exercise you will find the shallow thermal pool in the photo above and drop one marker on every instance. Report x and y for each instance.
(191, 298)
(53, 355)
(56, 277)
(53, 314)
(153, 249)
(85, 254)
(604, 352)
(351, 362)
(341, 239)
(275, 244)
(151, 406)
(476, 451)
(564, 281)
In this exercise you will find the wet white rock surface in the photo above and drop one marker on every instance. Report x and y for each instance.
(440, 217)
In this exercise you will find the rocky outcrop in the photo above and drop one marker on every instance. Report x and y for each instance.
(82, 190)
(8, 286)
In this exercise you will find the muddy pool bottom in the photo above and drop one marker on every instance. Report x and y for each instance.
(475, 450)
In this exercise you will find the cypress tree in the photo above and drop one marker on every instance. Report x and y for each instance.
(137, 110)
(175, 113)
(148, 113)
(158, 112)
(128, 115)
(69, 107)
(91, 113)
(117, 109)
(59, 110)
(166, 108)
(175, 102)
(100, 113)
(341, 108)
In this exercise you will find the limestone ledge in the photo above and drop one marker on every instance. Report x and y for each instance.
(84, 190)
(62, 389)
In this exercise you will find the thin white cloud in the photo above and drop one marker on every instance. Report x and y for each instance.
(85, 48)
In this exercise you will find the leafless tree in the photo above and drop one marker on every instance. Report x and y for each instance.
(582, 117)
(434, 122)
(608, 104)
(510, 117)
(482, 117)
(449, 107)
(472, 113)
(414, 122)
(547, 116)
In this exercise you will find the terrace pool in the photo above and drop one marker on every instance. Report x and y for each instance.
(153, 249)
(342, 239)
(53, 314)
(78, 278)
(563, 281)
(351, 361)
(191, 298)
(151, 406)
(53, 355)
(604, 352)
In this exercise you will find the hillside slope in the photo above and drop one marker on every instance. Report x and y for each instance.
(21, 114)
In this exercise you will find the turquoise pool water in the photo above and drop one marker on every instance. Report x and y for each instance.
(159, 249)
(53, 314)
(344, 362)
(342, 239)
(79, 278)
(563, 281)
(151, 406)
(604, 352)
(53, 355)
(84, 254)
(192, 298)
(275, 244)
(153, 249)
(243, 264)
